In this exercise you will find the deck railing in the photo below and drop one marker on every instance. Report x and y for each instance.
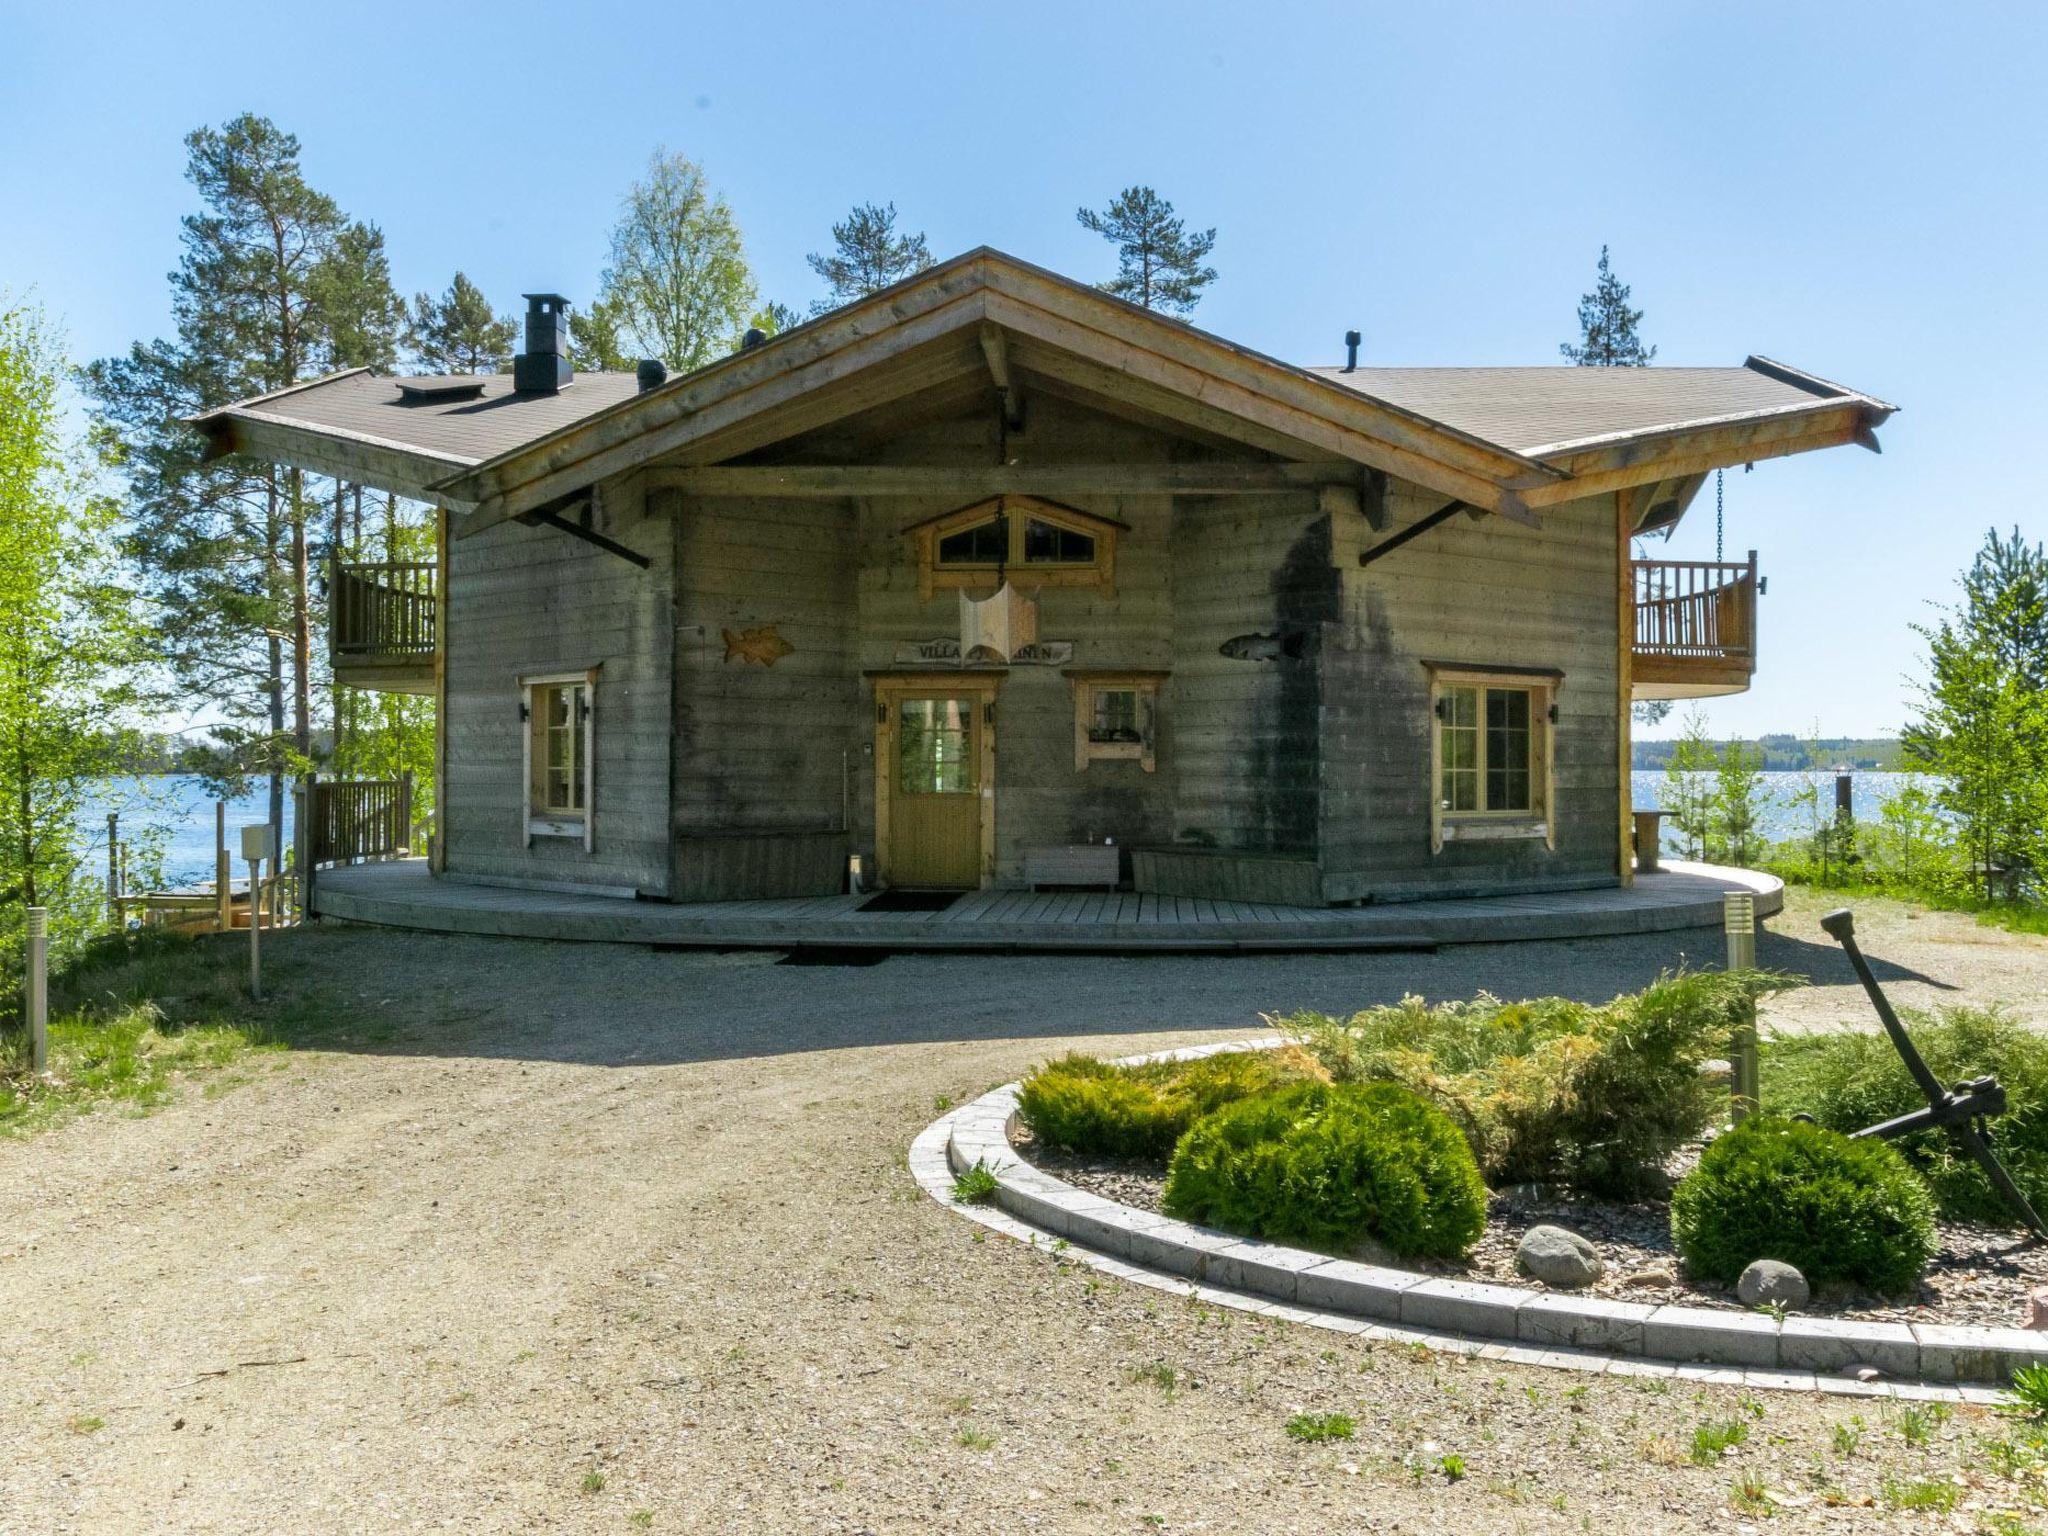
(349, 819)
(381, 610)
(1696, 609)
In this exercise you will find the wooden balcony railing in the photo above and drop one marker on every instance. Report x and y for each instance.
(1695, 627)
(382, 610)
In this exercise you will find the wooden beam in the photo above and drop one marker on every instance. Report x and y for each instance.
(339, 455)
(971, 482)
(1596, 471)
(555, 519)
(997, 352)
(1624, 687)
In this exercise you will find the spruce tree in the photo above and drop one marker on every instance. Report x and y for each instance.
(224, 544)
(1159, 264)
(459, 332)
(867, 256)
(1607, 326)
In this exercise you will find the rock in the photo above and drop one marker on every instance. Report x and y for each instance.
(1557, 1257)
(2037, 1309)
(1645, 1278)
(1771, 1281)
(1862, 1373)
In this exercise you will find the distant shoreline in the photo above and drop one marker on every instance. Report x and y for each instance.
(1794, 754)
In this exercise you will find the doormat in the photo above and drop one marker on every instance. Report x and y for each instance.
(910, 901)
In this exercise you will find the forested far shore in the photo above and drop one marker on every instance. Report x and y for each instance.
(1785, 753)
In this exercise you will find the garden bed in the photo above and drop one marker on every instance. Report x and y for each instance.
(1979, 1276)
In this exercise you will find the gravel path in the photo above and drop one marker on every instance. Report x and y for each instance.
(556, 1235)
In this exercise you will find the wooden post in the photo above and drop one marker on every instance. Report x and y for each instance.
(256, 929)
(38, 987)
(404, 839)
(114, 869)
(1738, 912)
(302, 841)
(223, 871)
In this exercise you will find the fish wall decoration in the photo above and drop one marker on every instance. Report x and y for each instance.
(1289, 643)
(761, 644)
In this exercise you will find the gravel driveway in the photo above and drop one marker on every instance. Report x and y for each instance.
(562, 1237)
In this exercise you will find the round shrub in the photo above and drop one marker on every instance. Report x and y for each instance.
(1849, 1080)
(1329, 1165)
(1838, 1209)
(1087, 1105)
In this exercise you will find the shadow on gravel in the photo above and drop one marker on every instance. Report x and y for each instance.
(414, 994)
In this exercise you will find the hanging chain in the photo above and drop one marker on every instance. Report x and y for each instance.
(1718, 518)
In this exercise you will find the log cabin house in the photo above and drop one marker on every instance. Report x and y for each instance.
(990, 579)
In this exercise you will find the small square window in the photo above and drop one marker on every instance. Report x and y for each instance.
(1114, 717)
(1492, 754)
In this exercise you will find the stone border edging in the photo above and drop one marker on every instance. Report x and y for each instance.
(1589, 1332)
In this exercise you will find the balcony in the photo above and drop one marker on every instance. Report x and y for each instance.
(383, 624)
(1695, 628)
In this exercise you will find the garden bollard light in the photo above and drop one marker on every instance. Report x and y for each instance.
(39, 990)
(256, 847)
(1738, 920)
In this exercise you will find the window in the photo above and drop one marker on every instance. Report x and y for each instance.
(559, 717)
(934, 741)
(1491, 755)
(1114, 717)
(1029, 541)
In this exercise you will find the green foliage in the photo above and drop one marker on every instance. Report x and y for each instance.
(1714, 1439)
(677, 285)
(2027, 1396)
(1551, 1089)
(867, 256)
(1983, 726)
(130, 1021)
(1607, 326)
(1781, 1189)
(977, 1186)
(1851, 1080)
(1159, 264)
(1087, 1105)
(73, 654)
(1330, 1166)
(1734, 826)
(459, 332)
(1688, 794)
(1315, 1428)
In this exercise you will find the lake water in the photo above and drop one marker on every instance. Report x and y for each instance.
(1779, 820)
(183, 811)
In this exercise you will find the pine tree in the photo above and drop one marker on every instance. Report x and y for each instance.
(1159, 264)
(224, 544)
(774, 318)
(1607, 327)
(72, 648)
(867, 256)
(459, 332)
(677, 280)
(594, 344)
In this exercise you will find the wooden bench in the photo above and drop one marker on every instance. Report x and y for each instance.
(1099, 864)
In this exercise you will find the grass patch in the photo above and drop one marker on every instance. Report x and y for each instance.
(977, 1186)
(1751, 1495)
(1918, 1493)
(2027, 1397)
(135, 1020)
(1715, 1439)
(1314, 1428)
(593, 1482)
(971, 1439)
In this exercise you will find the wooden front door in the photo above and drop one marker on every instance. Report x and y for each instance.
(934, 748)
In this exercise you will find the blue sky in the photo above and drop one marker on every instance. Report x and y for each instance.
(1855, 190)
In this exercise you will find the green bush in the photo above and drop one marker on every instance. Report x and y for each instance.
(1087, 1105)
(1550, 1089)
(1848, 1081)
(1330, 1165)
(1781, 1189)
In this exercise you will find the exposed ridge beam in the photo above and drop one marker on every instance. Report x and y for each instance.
(821, 481)
(997, 352)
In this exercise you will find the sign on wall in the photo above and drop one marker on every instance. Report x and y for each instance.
(945, 652)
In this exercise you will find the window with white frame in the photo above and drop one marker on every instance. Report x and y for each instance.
(1115, 717)
(559, 715)
(1491, 754)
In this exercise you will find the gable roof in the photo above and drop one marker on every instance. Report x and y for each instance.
(1504, 439)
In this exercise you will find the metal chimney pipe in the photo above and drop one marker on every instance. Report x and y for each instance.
(1351, 341)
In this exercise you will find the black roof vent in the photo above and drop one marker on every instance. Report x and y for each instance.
(439, 388)
(1351, 341)
(755, 337)
(651, 374)
(543, 368)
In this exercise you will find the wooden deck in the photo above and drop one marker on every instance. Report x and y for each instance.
(401, 894)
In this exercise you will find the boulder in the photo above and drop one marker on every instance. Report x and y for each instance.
(1558, 1258)
(1769, 1282)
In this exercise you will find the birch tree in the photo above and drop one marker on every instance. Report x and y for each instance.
(676, 286)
